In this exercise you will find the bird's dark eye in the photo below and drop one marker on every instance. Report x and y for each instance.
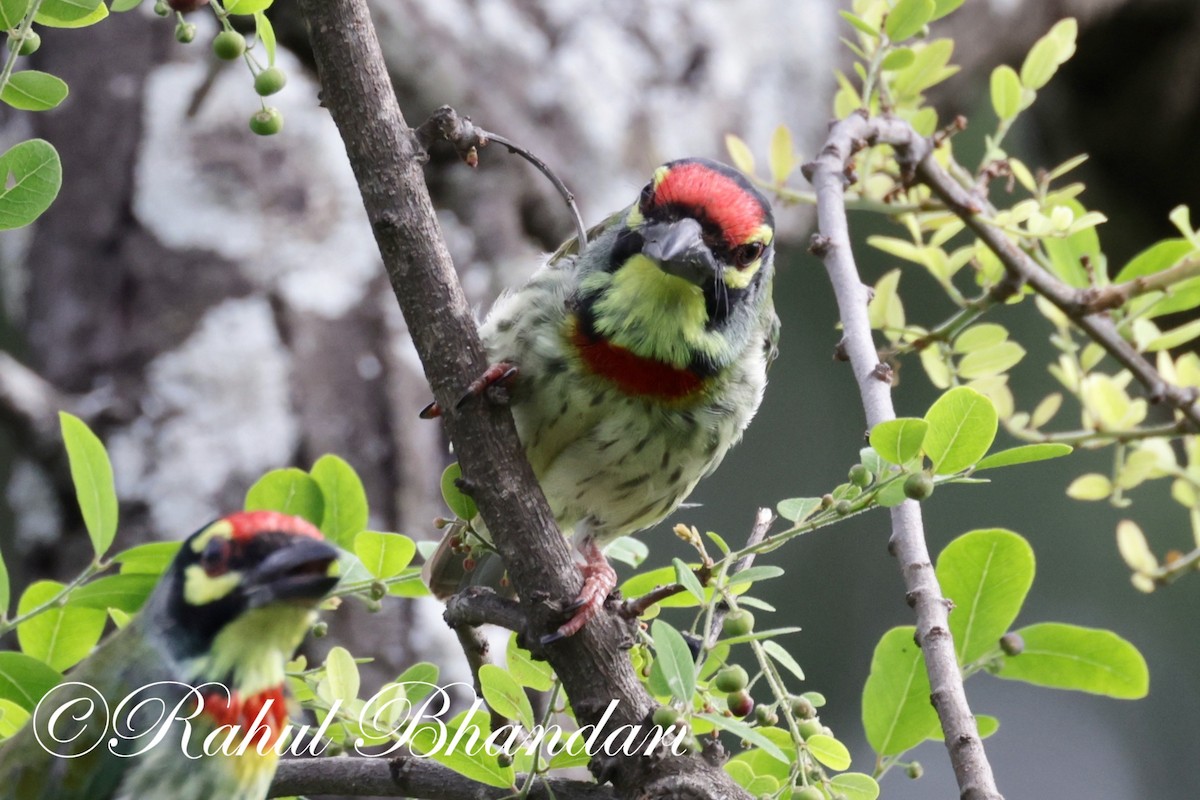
(214, 559)
(646, 198)
(747, 254)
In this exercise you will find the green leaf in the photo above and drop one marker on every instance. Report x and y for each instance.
(345, 500)
(462, 505)
(1174, 337)
(929, 67)
(740, 153)
(1084, 659)
(688, 580)
(30, 90)
(989, 361)
(860, 24)
(288, 491)
(1048, 53)
(12, 718)
(899, 58)
(98, 13)
(776, 651)
(385, 555)
(798, 509)
(986, 725)
(126, 592)
(59, 636)
(421, 679)
(341, 676)
(752, 735)
(896, 711)
(962, 426)
(856, 785)
(829, 751)
(627, 550)
(979, 337)
(266, 35)
(431, 740)
(247, 6)
(891, 495)
(753, 574)
(504, 695)
(151, 558)
(4, 587)
(12, 13)
(781, 158)
(756, 636)
(125, 5)
(1155, 258)
(1067, 254)
(673, 661)
(1092, 486)
(1006, 92)
(941, 9)
(907, 18)
(1025, 454)
(32, 176)
(521, 665)
(987, 574)
(24, 679)
(92, 475)
(899, 441)
(60, 13)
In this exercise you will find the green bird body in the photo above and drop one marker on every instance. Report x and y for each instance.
(640, 361)
(230, 610)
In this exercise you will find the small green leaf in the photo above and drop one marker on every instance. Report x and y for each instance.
(896, 711)
(1174, 337)
(989, 361)
(385, 555)
(419, 680)
(92, 475)
(899, 441)
(743, 731)
(899, 58)
(776, 651)
(345, 500)
(1133, 547)
(30, 90)
(1025, 454)
(119, 6)
(458, 502)
(504, 695)
(829, 751)
(127, 592)
(688, 580)
(907, 18)
(941, 9)
(673, 661)
(483, 769)
(798, 509)
(12, 13)
(1048, 53)
(536, 675)
(151, 558)
(98, 13)
(1092, 486)
(266, 35)
(32, 175)
(962, 426)
(987, 574)
(60, 13)
(740, 153)
(1084, 659)
(855, 785)
(781, 158)
(753, 574)
(627, 550)
(1006, 92)
(288, 491)
(860, 24)
(341, 676)
(24, 679)
(247, 6)
(12, 718)
(978, 337)
(59, 636)
(929, 67)
(986, 725)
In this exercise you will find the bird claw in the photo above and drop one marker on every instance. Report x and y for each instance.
(497, 376)
(599, 580)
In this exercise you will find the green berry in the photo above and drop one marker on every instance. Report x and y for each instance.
(741, 703)
(809, 727)
(843, 507)
(504, 760)
(320, 629)
(731, 679)
(1012, 644)
(802, 708)
(860, 476)
(378, 590)
(809, 793)
(270, 81)
(665, 716)
(764, 716)
(229, 45)
(268, 122)
(161, 8)
(185, 32)
(738, 622)
(918, 486)
(914, 770)
(28, 45)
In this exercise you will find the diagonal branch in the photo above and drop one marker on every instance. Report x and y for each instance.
(907, 543)
(386, 158)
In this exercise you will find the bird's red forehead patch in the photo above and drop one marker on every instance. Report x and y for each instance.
(717, 197)
(246, 524)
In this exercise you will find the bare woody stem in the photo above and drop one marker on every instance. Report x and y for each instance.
(386, 157)
(1103, 298)
(907, 543)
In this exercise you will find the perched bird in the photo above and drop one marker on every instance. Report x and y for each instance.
(230, 610)
(633, 366)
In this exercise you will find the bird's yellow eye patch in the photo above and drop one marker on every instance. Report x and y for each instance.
(634, 218)
(740, 277)
(221, 527)
(199, 589)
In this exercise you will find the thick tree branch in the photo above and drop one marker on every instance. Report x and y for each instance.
(827, 174)
(385, 157)
(408, 777)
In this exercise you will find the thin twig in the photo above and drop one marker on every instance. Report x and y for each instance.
(475, 647)
(907, 543)
(1103, 298)
(763, 519)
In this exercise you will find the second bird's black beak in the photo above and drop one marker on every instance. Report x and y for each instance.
(298, 570)
(679, 249)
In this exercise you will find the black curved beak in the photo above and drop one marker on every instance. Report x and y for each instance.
(679, 249)
(299, 571)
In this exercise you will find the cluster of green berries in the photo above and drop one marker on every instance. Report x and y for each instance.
(229, 45)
